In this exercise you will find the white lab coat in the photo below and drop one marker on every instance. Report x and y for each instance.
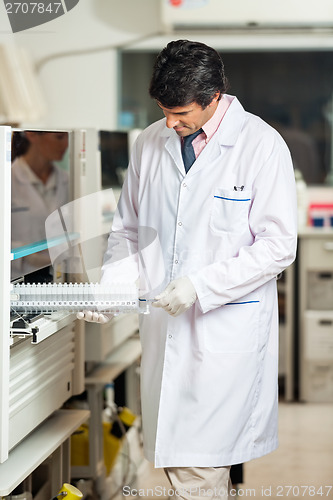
(29, 212)
(209, 376)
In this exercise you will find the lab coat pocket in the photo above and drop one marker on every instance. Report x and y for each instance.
(230, 210)
(233, 327)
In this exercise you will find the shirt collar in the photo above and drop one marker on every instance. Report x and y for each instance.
(211, 126)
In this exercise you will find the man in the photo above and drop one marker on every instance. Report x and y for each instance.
(227, 228)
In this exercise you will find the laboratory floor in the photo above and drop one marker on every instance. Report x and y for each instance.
(301, 467)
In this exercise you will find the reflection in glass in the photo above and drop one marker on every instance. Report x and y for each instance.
(40, 184)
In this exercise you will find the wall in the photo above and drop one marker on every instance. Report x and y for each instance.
(76, 57)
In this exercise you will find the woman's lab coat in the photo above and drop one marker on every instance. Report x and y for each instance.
(209, 376)
(29, 212)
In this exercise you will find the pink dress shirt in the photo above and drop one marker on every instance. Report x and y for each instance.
(210, 127)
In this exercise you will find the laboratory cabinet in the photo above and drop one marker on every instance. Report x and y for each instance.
(52, 357)
(287, 321)
(315, 283)
(41, 378)
(43, 454)
(42, 356)
(41, 363)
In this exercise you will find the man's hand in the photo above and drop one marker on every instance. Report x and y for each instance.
(178, 296)
(94, 317)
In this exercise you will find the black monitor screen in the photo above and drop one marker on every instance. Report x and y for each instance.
(114, 157)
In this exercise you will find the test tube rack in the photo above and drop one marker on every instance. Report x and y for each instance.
(75, 297)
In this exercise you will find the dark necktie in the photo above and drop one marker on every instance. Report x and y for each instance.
(188, 151)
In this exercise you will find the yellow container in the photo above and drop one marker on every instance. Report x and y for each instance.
(80, 446)
(69, 492)
(113, 443)
(112, 446)
(127, 417)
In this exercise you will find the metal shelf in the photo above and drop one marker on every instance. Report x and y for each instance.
(38, 446)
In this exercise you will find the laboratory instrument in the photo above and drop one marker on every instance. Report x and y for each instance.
(112, 298)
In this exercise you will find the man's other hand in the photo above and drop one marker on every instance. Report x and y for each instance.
(178, 296)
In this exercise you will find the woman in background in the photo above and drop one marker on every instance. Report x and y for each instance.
(39, 187)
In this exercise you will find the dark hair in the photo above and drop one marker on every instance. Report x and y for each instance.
(20, 143)
(186, 72)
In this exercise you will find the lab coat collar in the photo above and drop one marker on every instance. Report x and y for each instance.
(25, 175)
(173, 146)
(226, 135)
(229, 128)
(20, 170)
(232, 123)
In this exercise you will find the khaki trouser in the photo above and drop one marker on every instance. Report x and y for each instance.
(192, 483)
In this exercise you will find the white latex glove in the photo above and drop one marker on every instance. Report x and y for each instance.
(178, 296)
(94, 317)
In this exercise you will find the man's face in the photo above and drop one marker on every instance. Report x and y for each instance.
(186, 120)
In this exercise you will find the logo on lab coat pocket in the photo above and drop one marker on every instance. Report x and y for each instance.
(27, 14)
